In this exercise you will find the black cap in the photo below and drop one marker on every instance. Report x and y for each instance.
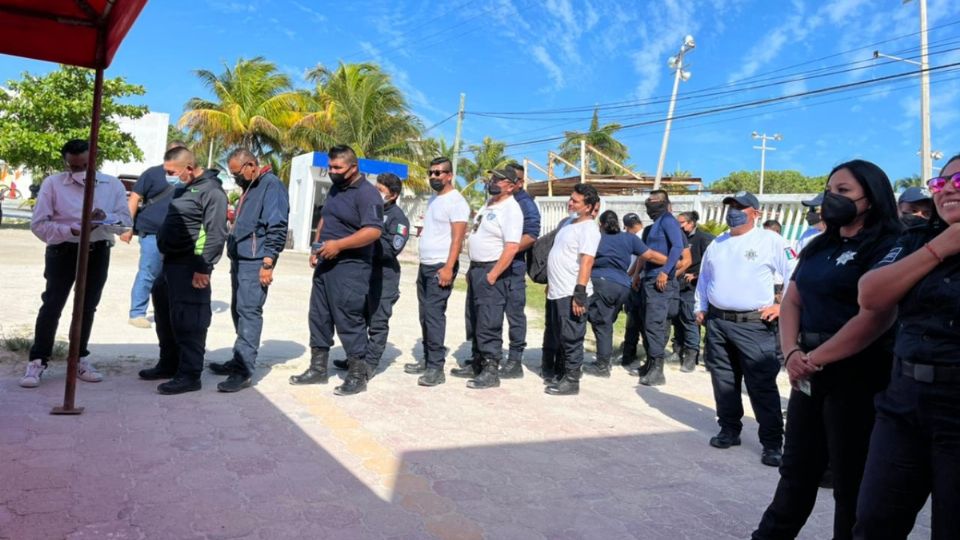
(504, 174)
(914, 194)
(814, 202)
(744, 198)
(631, 219)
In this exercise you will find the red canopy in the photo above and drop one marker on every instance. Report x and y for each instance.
(65, 31)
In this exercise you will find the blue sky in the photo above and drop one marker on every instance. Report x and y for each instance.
(559, 58)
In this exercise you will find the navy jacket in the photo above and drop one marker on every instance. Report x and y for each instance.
(195, 228)
(396, 230)
(531, 222)
(260, 224)
(665, 236)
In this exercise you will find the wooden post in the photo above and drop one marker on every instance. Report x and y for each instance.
(583, 161)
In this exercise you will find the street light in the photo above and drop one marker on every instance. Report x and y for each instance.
(676, 64)
(763, 151)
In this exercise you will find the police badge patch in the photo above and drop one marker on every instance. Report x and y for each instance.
(892, 256)
(398, 242)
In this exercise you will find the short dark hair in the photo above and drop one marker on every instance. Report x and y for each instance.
(440, 161)
(178, 154)
(392, 182)
(342, 151)
(590, 195)
(773, 225)
(692, 216)
(631, 219)
(666, 196)
(74, 147)
(515, 166)
(242, 154)
(175, 144)
(610, 222)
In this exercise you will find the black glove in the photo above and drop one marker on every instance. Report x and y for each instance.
(580, 295)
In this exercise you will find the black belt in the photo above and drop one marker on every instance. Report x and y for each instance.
(929, 373)
(734, 316)
(478, 264)
(812, 340)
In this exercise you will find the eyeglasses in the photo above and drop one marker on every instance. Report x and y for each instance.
(937, 184)
(438, 172)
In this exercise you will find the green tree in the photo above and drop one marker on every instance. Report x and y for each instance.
(773, 182)
(40, 113)
(487, 155)
(907, 182)
(601, 138)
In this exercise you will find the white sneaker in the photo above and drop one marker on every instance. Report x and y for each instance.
(31, 379)
(140, 322)
(87, 372)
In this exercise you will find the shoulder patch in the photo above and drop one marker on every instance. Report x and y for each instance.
(891, 256)
(401, 229)
(398, 242)
(790, 253)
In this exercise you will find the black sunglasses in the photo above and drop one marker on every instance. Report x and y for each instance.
(438, 172)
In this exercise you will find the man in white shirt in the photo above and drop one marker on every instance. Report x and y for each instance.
(735, 300)
(493, 243)
(568, 289)
(444, 227)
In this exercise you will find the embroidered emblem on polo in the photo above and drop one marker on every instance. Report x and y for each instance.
(846, 257)
(751, 255)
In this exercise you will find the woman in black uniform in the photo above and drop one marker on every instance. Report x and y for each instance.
(834, 368)
(915, 446)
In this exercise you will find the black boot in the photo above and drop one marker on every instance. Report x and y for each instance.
(638, 368)
(469, 370)
(654, 376)
(672, 357)
(569, 385)
(600, 368)
(356, 381)
(340, 364)
(179, 385)
(432, 377)
(488, 378)
(512, 369)
(317, 372)
(415, 368)
(235, 383)
(689, 361)
(157, 372)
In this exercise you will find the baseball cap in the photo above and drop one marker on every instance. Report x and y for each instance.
(914, 194)
(814, 202)
(745, 198)
(504, 174)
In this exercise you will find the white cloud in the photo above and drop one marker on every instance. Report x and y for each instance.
(315, 15)
(553, 70)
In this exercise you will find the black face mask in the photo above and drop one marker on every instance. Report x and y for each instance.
(838, 210)
(656, 209)
(911, 220)
(339, 179)
(241, 181)
(494, 189)
(813, 217)
(436, 184)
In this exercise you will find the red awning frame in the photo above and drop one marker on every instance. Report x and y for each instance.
(83, 33)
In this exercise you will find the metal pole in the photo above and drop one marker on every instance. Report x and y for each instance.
(926, 153)
(210, 156)
(666, 131)
(763, 160)
(456, 138)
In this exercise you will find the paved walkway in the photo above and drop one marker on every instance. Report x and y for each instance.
(398, 461)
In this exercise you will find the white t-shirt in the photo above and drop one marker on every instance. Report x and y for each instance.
(737, 272)
(563, 264)
(494, 226)
(435, 238)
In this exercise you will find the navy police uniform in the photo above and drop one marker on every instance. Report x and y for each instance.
(685, 328)
(385, 279)
(517, 280)
(665, 236)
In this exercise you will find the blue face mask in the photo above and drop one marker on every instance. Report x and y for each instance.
(736, 217)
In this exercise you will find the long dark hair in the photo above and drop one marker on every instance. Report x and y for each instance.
(880, 219)
(610, 222)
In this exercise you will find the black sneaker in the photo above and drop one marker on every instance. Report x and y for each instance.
(725, 439)
(771, 457)
(224, 368)
(235, 383)
(432, 377)
(178, 385)
(155, 374)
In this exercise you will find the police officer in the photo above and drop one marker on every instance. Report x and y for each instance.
(257, 236)
(492, 246)
(913, 448)
(517, 279)
(351, 223)
(915, 206)
(634, 328)
(735, 301)
(830, 413)
(385, 277)
(659, 285)
(815, 224)
(441, 241)
(191, 240)
(686, 329)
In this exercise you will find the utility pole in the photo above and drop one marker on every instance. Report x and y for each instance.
(763, 151)
(456, 138)
(926, 152)
(676, 64)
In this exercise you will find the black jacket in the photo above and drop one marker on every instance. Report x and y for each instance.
(260, 226)
(396, 230)
(195, 228)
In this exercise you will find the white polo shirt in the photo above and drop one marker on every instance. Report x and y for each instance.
(737, 272)
(572, 242)
(493, 227)
(435, 238)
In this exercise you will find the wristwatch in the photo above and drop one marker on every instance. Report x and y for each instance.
(267, 266)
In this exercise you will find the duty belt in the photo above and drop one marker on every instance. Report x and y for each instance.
(481, 264)
(929, 373)
(734, 316)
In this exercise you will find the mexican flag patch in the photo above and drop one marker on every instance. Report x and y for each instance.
(401, 229)
(790, 253)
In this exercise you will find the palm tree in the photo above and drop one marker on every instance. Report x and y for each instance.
(908, 181)
(487, 155)
(601, 138)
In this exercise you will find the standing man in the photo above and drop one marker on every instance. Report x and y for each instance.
(441, 241)
(350, 224)
(257, 236)
(148, 202)
(631, 338)
(517, 279)
(191, 240)
(569, 287)
(686, 326)
(735, 301)
(385, 277)
(659, 285)
(497, 230)
(57, 220)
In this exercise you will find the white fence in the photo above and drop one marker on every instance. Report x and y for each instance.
(785, 208)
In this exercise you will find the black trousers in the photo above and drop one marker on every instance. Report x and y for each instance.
(686, 331)
(605, 306)
(914, 453)
(384, 293)
(182, 315)
(634, 330)
(657, 306)
(830, 426)
(516, 302)
(432, 299)
(247, 297)
(338, 302)
(59, 269)
(738, 352)
(486, 305)
(564, 334)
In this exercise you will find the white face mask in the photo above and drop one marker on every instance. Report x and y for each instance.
(78, 177)
(173, 180)
(573, 215)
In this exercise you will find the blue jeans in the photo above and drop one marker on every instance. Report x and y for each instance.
(150, 266)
